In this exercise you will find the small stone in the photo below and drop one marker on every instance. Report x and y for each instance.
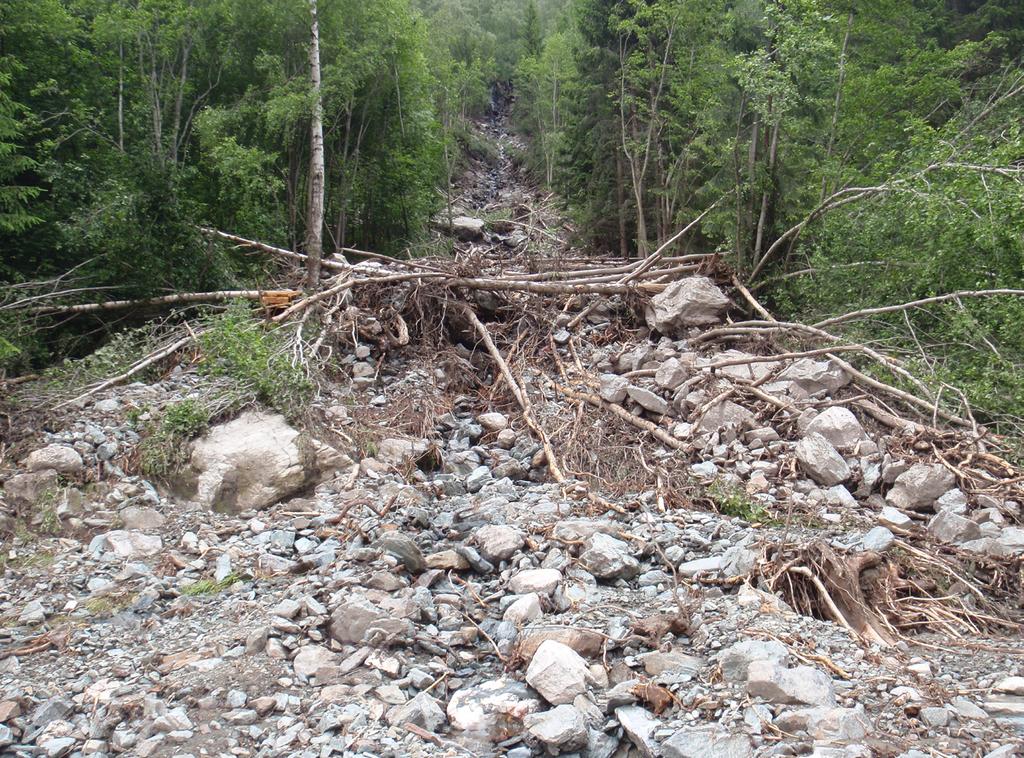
(59, 458)
(492, 422)
(608, 558)
(557, 672)
(920, 486)
(947, 526)
(498, 543)
(541, 581)
(934, 717)
(706, 742)
(821, 461)
(58, 747)
(639, 726)
(423, 711)
(894, 518)
(802, 685)
(446, 560)
(527, 608)
(736, 659)
(563, 728)
(141, 519)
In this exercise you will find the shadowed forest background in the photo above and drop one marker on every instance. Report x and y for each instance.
(845, 154)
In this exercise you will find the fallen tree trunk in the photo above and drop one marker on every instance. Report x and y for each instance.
(176, 299)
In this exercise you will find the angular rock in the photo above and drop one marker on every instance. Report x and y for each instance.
(639, 726)
(821, 461)
(27, 490)
(725, 415)
(948, 527)
(737, 658)
(498, 543)
(706, 742)
(400, 452)
(825, 723)
(802, 685)
(422, 711)
(494, 709)
(524, 610)
(648, 400)
(608, 558)
(311, 659)
(132, 544)
(878, 539)
(356, 615)
(60, 458)
(671, 374)
(613, 388)
(492, 422)
(586, 642)
(541, 581)
(673, 662)
(694, 301)
(920, 486)
(142, 519)
(557, 672)
(468, 229)
(250, 462)
(815, 376)
(405, 549)
(839, 426)
(894, 519)
(562, 728)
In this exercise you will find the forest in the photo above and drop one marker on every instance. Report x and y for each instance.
(838, 154)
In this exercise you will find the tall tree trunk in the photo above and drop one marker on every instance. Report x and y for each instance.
(120, 96)
(315, 224)
(620, 202)
(768, 196)
(835, 109)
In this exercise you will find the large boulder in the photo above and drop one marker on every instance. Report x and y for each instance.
(695, 301)
(60, 458)
(253, 462)
(920, 486)
(467, 228)
(821, 461)
(839, 426)
(26, 490)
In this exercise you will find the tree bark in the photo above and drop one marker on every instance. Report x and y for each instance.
(315, 224)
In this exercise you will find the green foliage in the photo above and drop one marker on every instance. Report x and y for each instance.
(732, 500)
(238, 347)
(164, 449)
(209, 586)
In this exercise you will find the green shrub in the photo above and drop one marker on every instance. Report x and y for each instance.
(734, 501)
(239, 347)
(164, 449)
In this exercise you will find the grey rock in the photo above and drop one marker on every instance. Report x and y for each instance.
(60, 458)
(58, 747)
(737, 658)
(492, 422)
(498, 543)
(648, 400)
(356, 615)
(557, 672)
(802, 685)
(27, 490)
(467, 228)
(524, 610)
(827, 723)
(639, 725)
(405, 549)
(894, 518)
(694, 301)
(311, 659)
(563, 728)
(608, 558)
(142, 519)
(725, 415)
(706, 742)
(839, 426)
(821, 461)
(671, 374)
(493, 709)
(423, 711)
(33, 613)
(815, 376)
(947, 526)
(541, 581)
(130, 545)
(711, 564)
(613, 388)
(878, 539)
(920, 486)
